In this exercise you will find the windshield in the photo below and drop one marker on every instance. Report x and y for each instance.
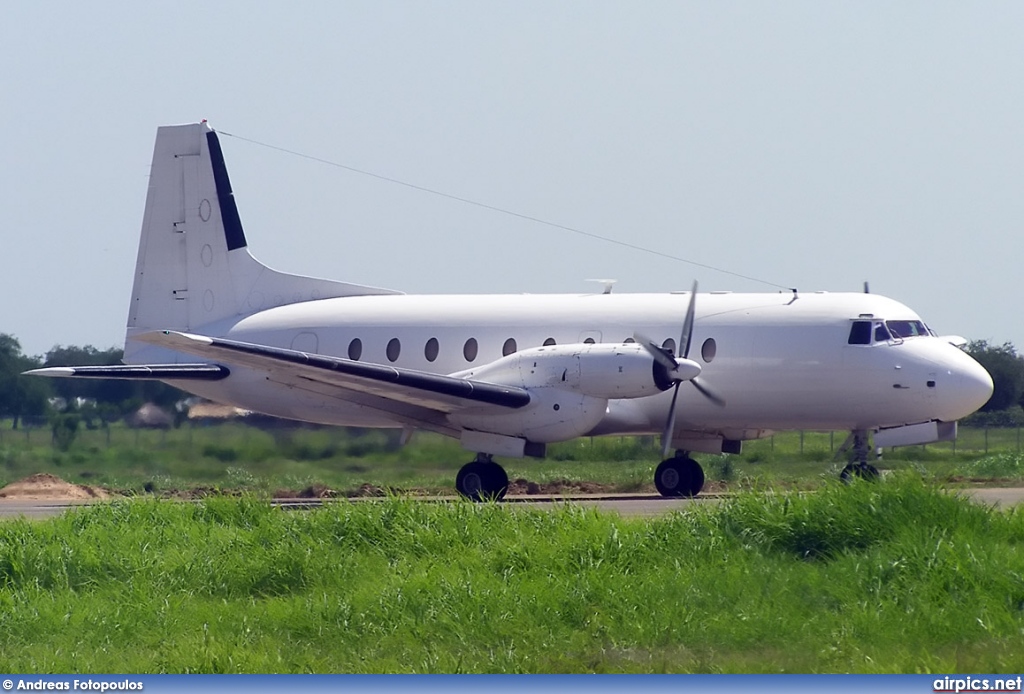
(867, 332)
(906, 328)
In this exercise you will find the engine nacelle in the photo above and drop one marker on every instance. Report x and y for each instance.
(552, 415)
(570, 386)
(606, 371)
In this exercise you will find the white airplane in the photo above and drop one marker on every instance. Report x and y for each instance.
(506, 375)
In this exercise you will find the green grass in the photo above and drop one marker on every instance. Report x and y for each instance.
(237, 456)
(887, 577)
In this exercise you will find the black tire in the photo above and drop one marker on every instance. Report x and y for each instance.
(470, 482)
(695, 476)
(679, 477)
(482, 481)
(496, 480)
(862, 471)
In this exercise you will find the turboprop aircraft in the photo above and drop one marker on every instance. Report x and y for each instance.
(506, 375)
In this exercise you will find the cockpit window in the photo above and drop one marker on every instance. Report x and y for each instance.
(860, 333)
(907, 328)
(867, 332)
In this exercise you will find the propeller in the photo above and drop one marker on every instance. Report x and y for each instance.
(678, 368)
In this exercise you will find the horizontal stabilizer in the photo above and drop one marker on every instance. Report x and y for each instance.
(436, 392)
(146, 372)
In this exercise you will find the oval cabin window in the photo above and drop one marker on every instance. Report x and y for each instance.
(509, 347)
(431, 349)
(394, 349)
(469, 350)
(708, 350)
(355, 349)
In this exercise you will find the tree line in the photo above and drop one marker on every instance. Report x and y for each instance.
(107, 400)
(94, 401)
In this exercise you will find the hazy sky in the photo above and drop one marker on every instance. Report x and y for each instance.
(808, 144)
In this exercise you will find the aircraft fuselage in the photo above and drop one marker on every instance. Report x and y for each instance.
(780, 361)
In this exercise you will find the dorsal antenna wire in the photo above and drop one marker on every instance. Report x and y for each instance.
(501, 210)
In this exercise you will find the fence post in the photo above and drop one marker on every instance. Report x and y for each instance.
(801, 442)
(986, 440)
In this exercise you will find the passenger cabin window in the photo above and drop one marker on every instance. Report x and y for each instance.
(509, 347)
(394, 349)
(469, 350)
(548, 342)
(708, 350)
(355, 349)
(431, 349)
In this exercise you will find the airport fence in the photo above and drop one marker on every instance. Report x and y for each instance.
(245, 440)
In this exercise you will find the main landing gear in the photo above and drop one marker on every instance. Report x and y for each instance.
(859, 466)
(679, 475)
(485, 480)
(482, 480)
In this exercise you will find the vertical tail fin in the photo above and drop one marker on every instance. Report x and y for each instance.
(194, 267)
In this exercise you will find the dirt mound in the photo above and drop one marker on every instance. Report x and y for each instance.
(313, 491)
(45, 486)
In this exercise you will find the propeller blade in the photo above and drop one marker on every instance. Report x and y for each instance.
(687, 335)
(666, 436)
(656, 352)
(707, 393)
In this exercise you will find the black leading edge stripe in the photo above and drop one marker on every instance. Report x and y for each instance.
(181, 372)
(233, 233)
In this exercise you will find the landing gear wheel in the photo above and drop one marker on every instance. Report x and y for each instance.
(679, 476)
(482, 480)
(864, 471)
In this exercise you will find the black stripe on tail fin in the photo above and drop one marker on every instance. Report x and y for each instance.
(233, 233)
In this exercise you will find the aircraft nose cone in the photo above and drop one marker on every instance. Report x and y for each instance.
(963, 384)
(975, 386)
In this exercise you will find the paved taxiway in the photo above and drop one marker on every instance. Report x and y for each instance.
(629, 505)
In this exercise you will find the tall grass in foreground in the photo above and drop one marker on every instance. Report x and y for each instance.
(886, 577)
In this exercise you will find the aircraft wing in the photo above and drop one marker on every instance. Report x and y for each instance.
(435, 392)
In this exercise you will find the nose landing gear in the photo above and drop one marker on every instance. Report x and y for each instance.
(858, 466)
